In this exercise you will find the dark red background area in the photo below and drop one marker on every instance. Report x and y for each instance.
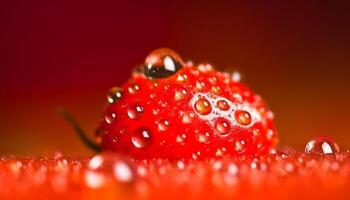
(68, 53)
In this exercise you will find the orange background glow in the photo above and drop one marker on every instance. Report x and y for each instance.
(64, 53)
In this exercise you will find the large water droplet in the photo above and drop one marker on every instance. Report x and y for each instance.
(223, 105)
(202, 106)
(135, 111)
(321, 145)
(162, 63)
(141, 138)
(222, 126)
(114, 94)
(107, 168)
(243, 117)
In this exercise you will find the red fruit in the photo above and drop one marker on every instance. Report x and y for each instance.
(172, 109)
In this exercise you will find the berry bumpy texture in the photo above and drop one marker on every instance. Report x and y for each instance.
(177, 110)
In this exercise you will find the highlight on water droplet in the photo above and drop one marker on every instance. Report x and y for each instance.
(110, 117)
(108, 168)
(135, 111)
(222, 126)
(114, 94)
(163, 125)
(181, 94)
(240, 145)
(321, 145)
(223, 105)
(187, 117)
(133, 88)
(141, 138)
(202, 106)
(243, 117)
(162, 63)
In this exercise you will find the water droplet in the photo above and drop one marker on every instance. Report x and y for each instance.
(203, 106)
(236, 76)
(162, 63)
(181, 139)
(135, 111)
(215, 89)
(114, 94)
(321, 145)
(182, 78)
(200, 85)
(243, 117)
(181, 94)
(107, 168)
(222, 126)
(133, 88)
(187, 117)
(163, 125)
(203, 137)
(110, 117)
(141, 138)
(223, 105)
(240, 145)
(205, 68)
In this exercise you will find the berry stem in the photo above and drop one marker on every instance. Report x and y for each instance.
(79, 131)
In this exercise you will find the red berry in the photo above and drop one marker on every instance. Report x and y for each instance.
(169, 109)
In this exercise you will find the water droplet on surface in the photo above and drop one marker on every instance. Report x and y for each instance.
(222, 126)
(182, 78)
(163, 125)
(223, 105)
(205, 68)
(135, 111)
(187, 117)
(236, 76)
(243, 117)
(110, 117)
(203, 137)
(181, 94)
(162, 63)
(141, 138)
(200, 85)
(114, 94)
(107, 168)
(202, 106)
(321, 145)
(240, 145)
(181, 139)
(133, 88)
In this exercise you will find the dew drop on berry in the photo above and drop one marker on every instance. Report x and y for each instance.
(114, 94)
(110, 117)
(321, 145)
(141, 138)
(223, 105)
(133, 88)
(187, 117)
(135, 111)
(203, 137)
(243, 117)
(108, 168)
(222, 126)
(240, 145)
(182, 78)
(162, 63)
(236, 76)
(202, 106)
(163, 125)
(200, 85)
(205, 68)
(181, 94)
(181, 139)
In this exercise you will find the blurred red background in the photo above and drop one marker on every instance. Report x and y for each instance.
(69, 53)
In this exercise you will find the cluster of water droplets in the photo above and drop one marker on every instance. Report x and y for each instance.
(222, 113)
